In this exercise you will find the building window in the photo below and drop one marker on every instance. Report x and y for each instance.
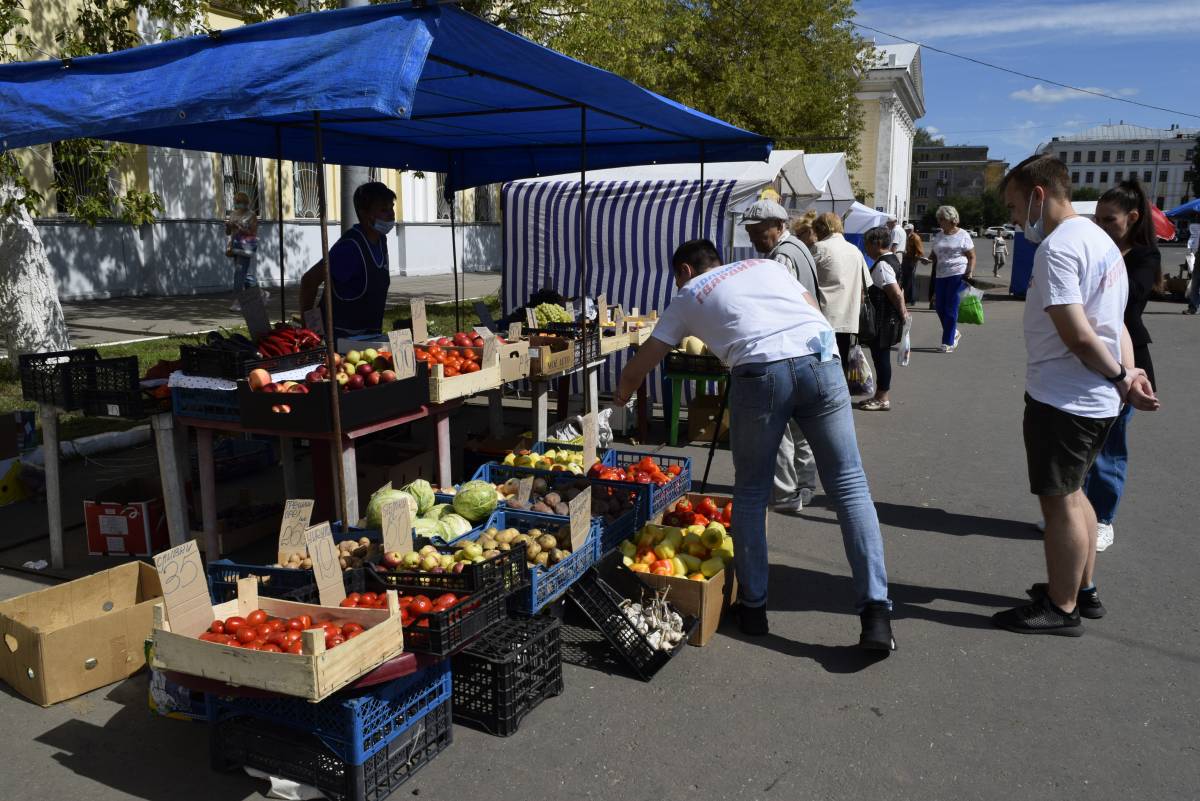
(240, 174)
(1162, 176)
(943, 175)
(1120, 155)
(304, 190)
(922, 175)
(1091, 157)
(1075, 157)
(1074, 177)
(1119, 176)
(1104, 176)
(1104, 155)
(75, 179)
(1191, 154)
(1063, 157)
(941, 191)
(1166, 155)
(922, 192)
(1089, 177)
(485, 203)
(1147, 177)
(920, 209)
(1134, 155)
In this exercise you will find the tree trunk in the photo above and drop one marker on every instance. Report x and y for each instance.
(33, 319)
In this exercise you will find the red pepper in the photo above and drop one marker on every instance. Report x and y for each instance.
(684, 505)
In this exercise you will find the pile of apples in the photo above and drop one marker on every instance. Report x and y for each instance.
(357, 370)
(696, 552)
(258, 631)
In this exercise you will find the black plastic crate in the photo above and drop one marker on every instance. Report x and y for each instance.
(116, 391)
(57, 378)
(205, 403)
(445, 633)
(506, 673)
(274, 582)
(293, 754)
(679, 362)
(311, 411)
(600, 594)
(204, 360)
(509, 571)
(586, 344)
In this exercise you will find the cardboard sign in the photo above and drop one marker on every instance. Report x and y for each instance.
(404, 360)
(397, 527)
(591, 440)
(485, 315)
(581, 519)
(326, 569)
(314, 320)
(619, 318)
(296, 516)
(514, 332)
(491, 348)
(185, 588)
(524, 489)
(601, 309)
(255, 312)
(420, 323)
(530, 318)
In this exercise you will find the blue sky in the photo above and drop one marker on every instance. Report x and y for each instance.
(1141, 50)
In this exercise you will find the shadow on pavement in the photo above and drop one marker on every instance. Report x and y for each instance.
(928, 518)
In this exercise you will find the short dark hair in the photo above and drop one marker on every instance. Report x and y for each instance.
(699, 253)
(878, 236)
(1129, 196)
(369, 194)
(1041, 170)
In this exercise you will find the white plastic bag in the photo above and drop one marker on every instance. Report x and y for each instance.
(859, 377)
(572, 428)
(904, 352)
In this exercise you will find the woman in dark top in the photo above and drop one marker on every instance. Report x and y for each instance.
(1124, 213)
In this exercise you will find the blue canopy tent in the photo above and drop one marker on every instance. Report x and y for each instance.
(1191, 207)
(403, 86)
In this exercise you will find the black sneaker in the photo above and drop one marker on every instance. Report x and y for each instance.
(751, 620)
(1087, 601)
(1040, 617)
(876, 628)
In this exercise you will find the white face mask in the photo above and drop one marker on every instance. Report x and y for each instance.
(1034, 232)
(384, 226)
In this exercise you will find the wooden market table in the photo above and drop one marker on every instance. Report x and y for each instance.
(172, 431)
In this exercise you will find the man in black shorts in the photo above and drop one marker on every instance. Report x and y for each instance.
(1080, 370)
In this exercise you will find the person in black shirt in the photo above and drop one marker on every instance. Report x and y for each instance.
(1124, 213)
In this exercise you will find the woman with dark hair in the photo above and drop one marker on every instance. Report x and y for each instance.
(1124, 214)
(886, 297)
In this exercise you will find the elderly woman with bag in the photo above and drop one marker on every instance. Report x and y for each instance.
(887, 305)
(843, 278)
(241, 226)
(953, 265)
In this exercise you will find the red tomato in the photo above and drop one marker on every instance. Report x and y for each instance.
(446, 599)
(232, 624)
(246, 634)
(262, 631)
(368, 598)
(271, 648)
(278, 638)
(350, 628)
(406, 617)
(421, 605)
(461, 339)
(405, 600)
(256, 617)
(445, 342)
(296, 648)
(477, 342)
(434, 350)
(353, 634)
(356, 597)
(217, 627)
(334, 642)
(349, 603)
(291, 636)
(707, 508)
(644, 478)
(306, 620)
(277, 624)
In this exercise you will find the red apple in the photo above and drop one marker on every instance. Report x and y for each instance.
(365, 369)
(355, 382)
(313, 377)
(393, 559)
(299, 389)
(382, 363)
(387, 376)
(258, 378)
(270, 386)
(371, 379)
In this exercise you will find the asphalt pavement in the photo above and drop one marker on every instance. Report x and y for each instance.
(961, 711)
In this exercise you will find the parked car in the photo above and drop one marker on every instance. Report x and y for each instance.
(998, 230)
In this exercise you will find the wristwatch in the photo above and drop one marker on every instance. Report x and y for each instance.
(1119, 377)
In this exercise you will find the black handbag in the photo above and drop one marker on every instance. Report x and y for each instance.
(867, 330)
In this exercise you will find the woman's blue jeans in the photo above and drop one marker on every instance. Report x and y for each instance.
(1105, 482)
(763, 397)
(245, 276)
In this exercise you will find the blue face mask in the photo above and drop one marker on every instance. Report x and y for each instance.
(1036, 231)
(384, 226)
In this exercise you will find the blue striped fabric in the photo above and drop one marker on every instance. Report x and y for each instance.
(633, 228)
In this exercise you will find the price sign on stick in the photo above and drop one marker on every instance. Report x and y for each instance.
(315, 321)
(397, 527)
(404, 361)
(619, 318)
(185, 589)
(254, 312)
(514, 332)
(581, 519)
(601, 309)
(524, 489)
(326, 568)
(491, 349)
(296, 515)
(420, 323)
(591, 440)
(530, 318)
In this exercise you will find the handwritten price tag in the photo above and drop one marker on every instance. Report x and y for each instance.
(530, 318)
(581, 519)
(601, 309)
(524, 489)
(254, 312)
(591, 440)
(514, 332)
(397, 527)
(326, 569)
(420, 323)
(404, 361)
(491, 348)
(185, 589)
(296, 515)
(619, 318)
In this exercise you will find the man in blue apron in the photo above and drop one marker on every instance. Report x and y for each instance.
(358, 266)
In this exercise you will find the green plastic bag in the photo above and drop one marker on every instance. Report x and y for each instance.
(970, 306)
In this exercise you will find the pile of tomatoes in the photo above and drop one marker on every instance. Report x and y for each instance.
(365, 600)
(644, 471)
(258, 631)
(700, 513)
(417, 608)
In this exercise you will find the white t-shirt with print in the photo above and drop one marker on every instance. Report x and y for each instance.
(951, 252)
(747, 312)
(1076, 264)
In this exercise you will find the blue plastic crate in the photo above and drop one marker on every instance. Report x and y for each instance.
(547, 584)
(204, 403)
(353, 726)
(658, 498)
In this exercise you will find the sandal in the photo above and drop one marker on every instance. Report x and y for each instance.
(873, 405)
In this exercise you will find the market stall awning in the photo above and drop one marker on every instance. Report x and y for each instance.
(1191, 207)
(430, 88)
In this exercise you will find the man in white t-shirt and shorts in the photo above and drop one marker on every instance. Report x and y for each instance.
(1079, 371)
(757, 318)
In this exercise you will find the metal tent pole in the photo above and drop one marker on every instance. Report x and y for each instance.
(279, 212)
(330, 352)
(449, 195)
(700, 210)
(583, 232)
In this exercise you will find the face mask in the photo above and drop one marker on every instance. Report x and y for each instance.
(384, 226)
(1034, 232)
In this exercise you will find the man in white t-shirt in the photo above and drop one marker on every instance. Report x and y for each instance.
(1079, 371)
(898, 235)
(757, 318)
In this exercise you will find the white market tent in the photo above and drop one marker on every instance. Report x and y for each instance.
(860, 219)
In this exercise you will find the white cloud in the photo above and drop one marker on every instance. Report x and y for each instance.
(933, 130)
(1057, 94)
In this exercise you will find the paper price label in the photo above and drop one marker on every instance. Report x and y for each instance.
(601, 309)
(619, 318)
(581, 519)
(254, 312)
(591, 440)
(296, 515)
(420, 323)
(397, 527)
(491, 348)
(530, 318)
(314, 321)
(514, 332)
(524, 489)
(185, 589)
(404, 360)
(326, 569)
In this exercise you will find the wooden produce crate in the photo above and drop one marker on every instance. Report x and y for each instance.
(313, 675)
(640, 327)
(611, 343)
(443, 388)
(514, 358)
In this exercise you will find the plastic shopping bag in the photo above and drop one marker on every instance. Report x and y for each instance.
(970, 306)
(904, 352)
(859, 377)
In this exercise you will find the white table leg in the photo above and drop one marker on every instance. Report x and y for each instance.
(496, 412)
(208, 492)
(168, 473)
(592, 389)
(540, 408)
(287, 459)
(442, 428)
(49, 415)
(350, 470)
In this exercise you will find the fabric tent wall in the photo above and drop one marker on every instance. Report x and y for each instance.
(633, 227)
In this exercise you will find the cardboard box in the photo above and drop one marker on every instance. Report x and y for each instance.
(702, 417)
(128, 520)
(550, 355)
(704, 600)
(380, 462)
(73, 638)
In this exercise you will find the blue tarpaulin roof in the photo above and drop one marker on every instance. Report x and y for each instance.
(1191, 207)
(430, 88)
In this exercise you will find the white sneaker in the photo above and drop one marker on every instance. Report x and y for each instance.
(957, 337)
(1104, 536)
(794, 503)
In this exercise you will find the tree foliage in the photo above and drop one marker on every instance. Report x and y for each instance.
(1085, 193)
(923, 138)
